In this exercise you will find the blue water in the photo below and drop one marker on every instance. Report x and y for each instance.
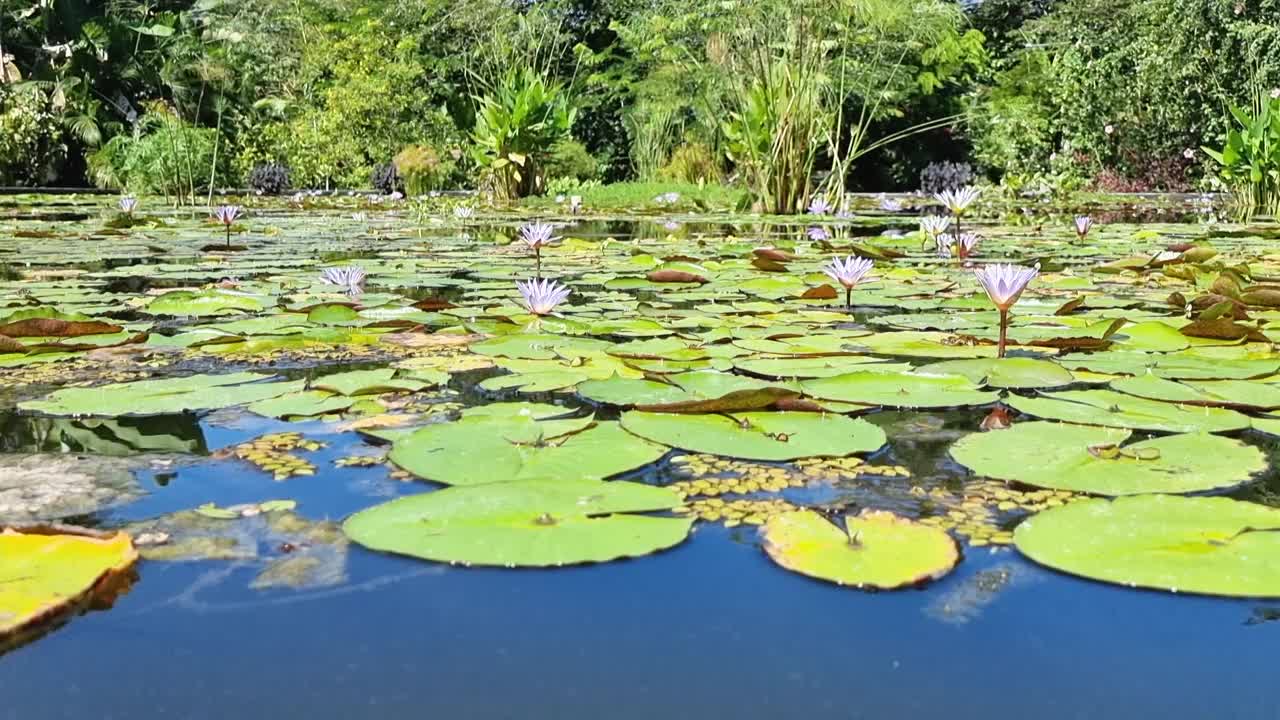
(710, 629)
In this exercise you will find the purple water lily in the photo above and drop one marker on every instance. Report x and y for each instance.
(818, 234)
(958, 201)
(848, 272)
(538, 235)
(128, 204)
(351, 278)
(820, 206)
(1004, 285)
(227, 215)
(1084, 224)
(542, 296)
(962, 247)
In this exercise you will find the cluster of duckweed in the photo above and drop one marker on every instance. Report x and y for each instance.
(308, 355)
(274, 454)
(83, 372)
(983, 513)
(832, 469)
(360, 461)
(736, 512)
(712, 476)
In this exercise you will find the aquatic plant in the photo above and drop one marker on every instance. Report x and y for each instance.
(538, 235)
(818, 234)
(128, 204)
(848, 272)
(820, 206)
(958, 202)
(1004, 284)
(1250, 158)
(351, 278)
(961, 246)
(1083, 224)
(227, 215)
(463, 212)
(542, 296)
(889, 204)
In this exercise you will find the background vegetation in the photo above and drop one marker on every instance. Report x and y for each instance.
(785, 99)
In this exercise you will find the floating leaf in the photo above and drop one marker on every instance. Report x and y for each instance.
(160, 397)
(759, 435)
(1094, 460)
(878, 550)
(1113, 409)
(540, 523)
(900, 389)
(1214, 546)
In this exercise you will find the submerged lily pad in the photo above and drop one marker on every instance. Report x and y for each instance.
(759, 435)
(1095, 460)
(876, 549)
(538, 523)
(43, 575)
(1214, 546)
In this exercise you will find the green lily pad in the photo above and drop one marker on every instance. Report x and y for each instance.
(772, 436)
(1095, 460)
(367, 382)
(303, 404)
(1006, 372)
(878, 550)
(1112, 409)
(1218, 393)
(539, 523)
(1208, 545)
(162, 397)
(903, 389)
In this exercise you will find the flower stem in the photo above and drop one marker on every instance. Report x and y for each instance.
(228, 236)
(537, 256)
(1004, 331)
(848, 299)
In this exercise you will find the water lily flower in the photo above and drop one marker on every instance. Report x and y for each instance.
(542, 296)
(935, 225)
(1084, 224)
(818, 234)
(538, 235)
(128, 204)
(575, 204)
(671, 226)
(670, 198)
(227, 215)
(351, 278)
(397, 195)
(463, 212)
(963, 246)
(848, 272)
(1004, 285)
(820, 206)
(889, 204)
(958, 201)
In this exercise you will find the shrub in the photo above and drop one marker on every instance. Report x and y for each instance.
(386, 180)
(422, 169)
(941, 176)
(570, 159)
(517, 125)
(1250, 159)
(692, 162)
(269, 178)
(163, 155)
(30, 139)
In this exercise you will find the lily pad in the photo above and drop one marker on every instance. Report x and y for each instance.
(540, 523)
(1213, 545)
(1095, 460)
(772, 436)
(1006, 372)
(45, 575)
(161, 397)
(1112, 409)
(876, 550)
(902, 389)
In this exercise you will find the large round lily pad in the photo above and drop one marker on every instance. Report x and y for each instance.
(486, 447)
(878, 549)
(1113, 409)
(43, 575)
(1214, 545)
(1096, 460)
(900, 389)
(1016, 372)
(772, 436)
(536, 523)
(160, 397)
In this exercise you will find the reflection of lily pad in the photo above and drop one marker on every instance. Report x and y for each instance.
(878, 550)
(524, 524)
(1095, 460)
(1215, 546)
(44, 575)
(1113, 409)
(901, 389)
(759, 435)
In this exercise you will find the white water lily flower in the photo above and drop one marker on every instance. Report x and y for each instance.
(542, 296)
(963, 246)
(935, 225)
(848, 272)
(227, 214)
(889, 204)
(1084, 224)
(1004, 283)
(351, 278)
(575, 204)
(128, 204)
(958, 200)
(537, 235)
(463, 212)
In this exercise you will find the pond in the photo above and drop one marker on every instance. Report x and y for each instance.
(412, 495)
